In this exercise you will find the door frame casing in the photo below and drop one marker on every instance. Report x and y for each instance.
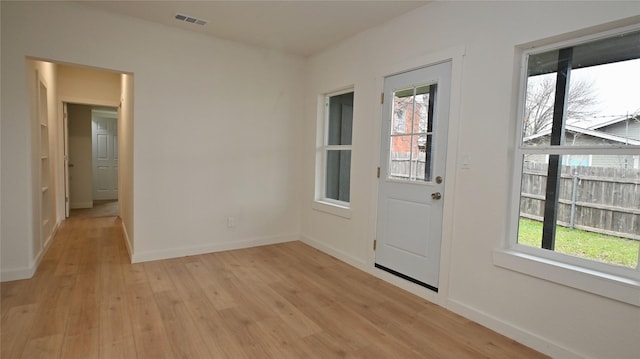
(456, 56)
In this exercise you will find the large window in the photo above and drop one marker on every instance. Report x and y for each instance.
(578, 155)
(336, 149)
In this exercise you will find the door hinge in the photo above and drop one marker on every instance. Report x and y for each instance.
(382, 98)
(374, 244)
(378, 173)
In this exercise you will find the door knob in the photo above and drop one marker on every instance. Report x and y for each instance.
(436, 195)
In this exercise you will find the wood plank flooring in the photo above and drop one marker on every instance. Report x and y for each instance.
(280, 301)
(101, 208)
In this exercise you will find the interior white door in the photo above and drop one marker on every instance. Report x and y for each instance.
(105, 157)
(411, 184)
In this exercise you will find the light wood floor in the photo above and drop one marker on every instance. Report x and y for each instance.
(101, 208)
(280, 301)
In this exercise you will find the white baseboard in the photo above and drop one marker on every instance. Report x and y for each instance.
(217, 247)
(80, 205)
(518, 334)
(8, 275)
(11, 274)
(127, 240)
(347, 258)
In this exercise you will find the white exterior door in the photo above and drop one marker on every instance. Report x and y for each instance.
(411, 184)
(105, 157)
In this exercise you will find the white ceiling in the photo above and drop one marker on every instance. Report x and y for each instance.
(302, 27)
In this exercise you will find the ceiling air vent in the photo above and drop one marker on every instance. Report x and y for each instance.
(190, 19)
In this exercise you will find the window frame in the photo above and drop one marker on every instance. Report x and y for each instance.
(618, 283)
(322, 202)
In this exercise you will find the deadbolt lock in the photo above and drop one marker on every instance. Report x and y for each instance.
(438, 179)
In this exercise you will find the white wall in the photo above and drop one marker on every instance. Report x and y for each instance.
(88, 85)
(552, 318)
(216, 129)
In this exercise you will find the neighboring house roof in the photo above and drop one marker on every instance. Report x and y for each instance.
(595, 129)
(589, 132)
(594, 123)
(595, 126)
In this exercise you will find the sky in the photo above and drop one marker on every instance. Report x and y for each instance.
(617, 87)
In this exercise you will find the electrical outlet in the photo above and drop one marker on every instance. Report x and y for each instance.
(231, 222)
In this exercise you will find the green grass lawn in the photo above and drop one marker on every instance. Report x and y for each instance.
(579, 243)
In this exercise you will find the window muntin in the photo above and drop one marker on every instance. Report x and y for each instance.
(336, 150)
(579, 152)
(411, 143)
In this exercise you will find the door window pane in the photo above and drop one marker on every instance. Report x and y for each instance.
(400, 160)
(411, 148)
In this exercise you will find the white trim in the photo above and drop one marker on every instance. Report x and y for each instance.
(336, 253)
(127, 240)
(88, 101)
(153, 255)
(12, 274)
(529, 49)
(328, 206)
(520, 335)
(626, 290)
(49, 239)
(337, 147)
(583, 150)
(28, 272)
(586, 131)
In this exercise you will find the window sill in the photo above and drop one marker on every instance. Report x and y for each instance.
(332, 208)
(623, 289)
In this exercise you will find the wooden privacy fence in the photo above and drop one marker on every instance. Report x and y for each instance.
(597, 199)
